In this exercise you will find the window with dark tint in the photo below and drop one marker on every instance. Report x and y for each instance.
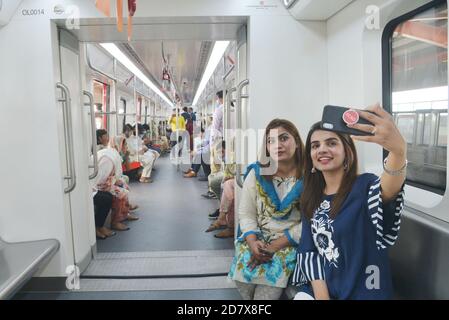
(418, 91)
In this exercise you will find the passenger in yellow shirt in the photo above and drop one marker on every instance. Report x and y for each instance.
(177, 124)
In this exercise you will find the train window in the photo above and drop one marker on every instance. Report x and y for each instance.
(406, 123)
(428, 125)
(442, 132)
(101, 93)
(416, 90)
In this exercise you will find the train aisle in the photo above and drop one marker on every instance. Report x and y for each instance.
(165, 255)
(173, 215)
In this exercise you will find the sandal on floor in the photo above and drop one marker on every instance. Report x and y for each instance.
(113, 233)
(132, 208)
(215, 226)
(120, 227)
(132, 217)
(227, 233)
(107, 232)
(100, 236)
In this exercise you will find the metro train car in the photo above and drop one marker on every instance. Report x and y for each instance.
(135, 134)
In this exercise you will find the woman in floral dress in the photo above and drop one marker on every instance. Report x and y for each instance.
(350, 220)
(268, 216)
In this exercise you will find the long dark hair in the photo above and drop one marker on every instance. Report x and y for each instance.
(299, 153)
(314, 183)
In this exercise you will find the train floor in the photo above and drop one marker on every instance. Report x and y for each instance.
(172, 215)
(166, 254)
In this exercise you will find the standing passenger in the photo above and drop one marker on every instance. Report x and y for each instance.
(191, 126)
(269, 216)
(216, 134)
(178, 126)
(349, 220)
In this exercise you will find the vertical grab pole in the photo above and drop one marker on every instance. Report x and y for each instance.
(177, 138)
(66, 102)
(90, 104)
(238, 107)
(229, 100)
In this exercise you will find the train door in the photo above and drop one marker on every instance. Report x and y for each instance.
(74, 158)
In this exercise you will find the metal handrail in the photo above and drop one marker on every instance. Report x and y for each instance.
(93, 127)
(238, 107)
(101, 113)
(228, 72)
(126, 114)
(229, 95)
(66, 102)
(227, 112)
(89, 64)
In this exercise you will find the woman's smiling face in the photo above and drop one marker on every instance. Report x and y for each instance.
(327, 151)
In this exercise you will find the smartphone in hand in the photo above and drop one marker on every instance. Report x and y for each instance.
(337, 118)
(266, 252)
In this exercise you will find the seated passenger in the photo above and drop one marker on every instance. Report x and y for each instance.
(215, 179)
(139, 153)
(201, 157)
(165, 146)
(270, 221)
(103, 196)
(102, 139)
(118, 143)
(225, 218)
(356, 216)
(149, 144)
(120, 202)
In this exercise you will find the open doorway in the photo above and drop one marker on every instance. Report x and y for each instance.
(172, 214)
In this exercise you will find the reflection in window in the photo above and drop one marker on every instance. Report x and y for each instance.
(420, 94)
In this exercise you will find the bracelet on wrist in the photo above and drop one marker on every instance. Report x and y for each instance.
(395, 172)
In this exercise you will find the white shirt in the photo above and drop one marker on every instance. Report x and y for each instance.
(217, 125)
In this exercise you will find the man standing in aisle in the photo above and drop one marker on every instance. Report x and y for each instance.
(216, 135)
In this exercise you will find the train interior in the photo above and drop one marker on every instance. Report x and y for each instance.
(272, 59)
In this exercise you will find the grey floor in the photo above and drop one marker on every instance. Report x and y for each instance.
(214, 294)
(173, 215)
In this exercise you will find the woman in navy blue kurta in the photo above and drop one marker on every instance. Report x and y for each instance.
(350, 220)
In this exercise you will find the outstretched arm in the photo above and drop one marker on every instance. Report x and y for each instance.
(387, 135)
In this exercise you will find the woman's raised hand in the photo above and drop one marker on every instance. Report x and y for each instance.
(384, 130)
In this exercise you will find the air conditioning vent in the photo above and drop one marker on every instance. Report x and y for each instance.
(319, 10)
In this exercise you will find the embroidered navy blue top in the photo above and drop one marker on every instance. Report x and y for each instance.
(349, 252)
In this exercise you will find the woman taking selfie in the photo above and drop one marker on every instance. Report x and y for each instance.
(349, 220)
